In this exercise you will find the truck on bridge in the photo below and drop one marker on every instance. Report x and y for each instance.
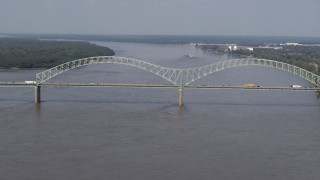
(251, 85)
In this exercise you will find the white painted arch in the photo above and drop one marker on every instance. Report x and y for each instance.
(178, 77)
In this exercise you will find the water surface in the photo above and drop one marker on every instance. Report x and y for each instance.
(140, 133)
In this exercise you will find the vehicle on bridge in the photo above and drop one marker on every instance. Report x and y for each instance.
(296, 86)
(30, 82)
(251, 85)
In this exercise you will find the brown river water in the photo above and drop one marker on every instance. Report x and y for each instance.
(140, 133)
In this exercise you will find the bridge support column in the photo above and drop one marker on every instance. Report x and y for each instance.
(37, 94)
(180, 97)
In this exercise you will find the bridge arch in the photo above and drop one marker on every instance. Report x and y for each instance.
(192, 74)
(178, 77)
(170, 74)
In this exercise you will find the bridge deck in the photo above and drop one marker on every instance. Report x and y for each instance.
(23, 84)
(255, 88)
(16, 84)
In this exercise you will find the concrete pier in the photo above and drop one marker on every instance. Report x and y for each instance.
(37, 94)
(180, 97)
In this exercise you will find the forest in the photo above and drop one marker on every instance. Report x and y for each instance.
(306, 57)
(32, 53)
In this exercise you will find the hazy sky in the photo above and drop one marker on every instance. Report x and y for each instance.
(177, 17)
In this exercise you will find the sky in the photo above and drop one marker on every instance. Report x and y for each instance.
(162, 17)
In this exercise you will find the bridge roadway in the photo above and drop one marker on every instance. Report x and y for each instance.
(23, 84)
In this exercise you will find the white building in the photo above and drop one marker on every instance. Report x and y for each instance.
(233, 47)
(292, 44)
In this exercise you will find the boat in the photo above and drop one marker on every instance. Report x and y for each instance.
(190, 56)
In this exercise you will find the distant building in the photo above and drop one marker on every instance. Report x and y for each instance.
(233, 47)
(268, 47)
(292, 44)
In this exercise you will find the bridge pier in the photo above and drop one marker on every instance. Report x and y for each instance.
(37, 94)
(180, 97)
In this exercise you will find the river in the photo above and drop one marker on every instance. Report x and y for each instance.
(140, 133)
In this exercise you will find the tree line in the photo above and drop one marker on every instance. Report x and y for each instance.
(32, 53)
(306, 57)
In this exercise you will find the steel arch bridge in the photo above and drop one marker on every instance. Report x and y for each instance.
(178, 77)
